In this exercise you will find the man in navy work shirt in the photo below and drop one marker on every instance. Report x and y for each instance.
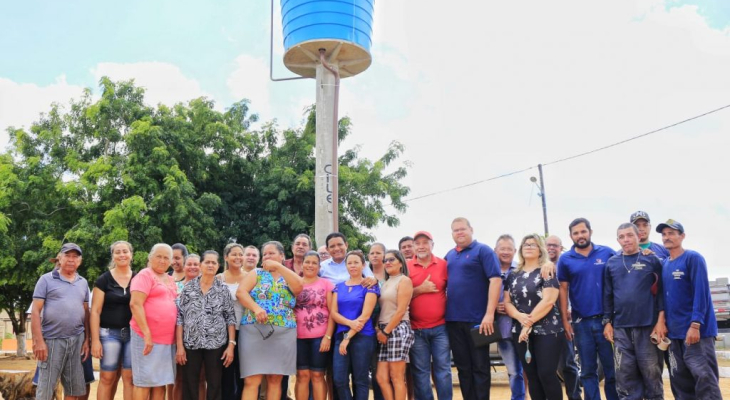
(472, 293)
(633, 313)
(643, 224)
(580, 272)
(693, 371)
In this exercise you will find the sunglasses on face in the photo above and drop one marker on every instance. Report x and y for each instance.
(390, 260)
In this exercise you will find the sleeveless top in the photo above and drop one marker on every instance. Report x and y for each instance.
(275, 297)
(387, 301)
(237, 306)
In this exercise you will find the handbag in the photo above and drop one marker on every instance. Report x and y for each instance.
(481, 340)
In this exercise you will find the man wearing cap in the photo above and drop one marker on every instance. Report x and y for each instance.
(427, 311)
(633, 314)
(693, 371)
(643, 223)
(580, 272)
(505, 248)
(566, 364)
(58, 322)
(473, 290)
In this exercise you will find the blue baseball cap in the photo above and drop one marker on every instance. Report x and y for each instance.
(670, 224)
(70, 247)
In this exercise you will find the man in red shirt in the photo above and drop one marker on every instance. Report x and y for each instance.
(427, 311)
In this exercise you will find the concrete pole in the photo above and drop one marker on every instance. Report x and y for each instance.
(544, 202)
(325, 190)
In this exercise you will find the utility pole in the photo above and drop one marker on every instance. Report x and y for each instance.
(325, 189)
(541, 186)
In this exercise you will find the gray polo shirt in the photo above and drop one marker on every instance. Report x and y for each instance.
(63, 310)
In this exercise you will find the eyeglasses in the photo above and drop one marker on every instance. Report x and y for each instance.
(390, 260)
(554, 246)
(268, 334)
(530, 245)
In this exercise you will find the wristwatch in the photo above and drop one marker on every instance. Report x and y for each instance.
(606, 321)
(346, 336)
(233, 342)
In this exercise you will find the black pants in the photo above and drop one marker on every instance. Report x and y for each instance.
(542, 378)
(231, 381)
(471, 362)
(213, 371)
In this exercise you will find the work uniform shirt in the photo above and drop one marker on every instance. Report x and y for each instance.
(467, 289)
(632, 288)
(585, 276)
(687, 296)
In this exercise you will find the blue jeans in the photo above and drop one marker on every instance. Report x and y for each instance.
(693, 371)
(116, 349)
(359, 352)
(508, 352)
(638, 364)
(591, 346)
(431, 343)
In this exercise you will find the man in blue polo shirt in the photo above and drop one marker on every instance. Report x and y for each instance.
(693, 371)
(580, 272)
(643, 224)
(472, 293)
(633, 312)
(58, 321)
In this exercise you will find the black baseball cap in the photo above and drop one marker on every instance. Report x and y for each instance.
(670, 224)
(639, 215)
(70, 247)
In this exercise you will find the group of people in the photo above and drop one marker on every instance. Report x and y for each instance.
(334, 317)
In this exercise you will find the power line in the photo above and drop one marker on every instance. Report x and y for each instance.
(569, 157)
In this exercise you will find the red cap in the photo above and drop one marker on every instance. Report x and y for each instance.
(422, 233)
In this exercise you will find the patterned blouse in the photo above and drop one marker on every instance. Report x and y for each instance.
(525, 290)
(275, 298)
(205, 317)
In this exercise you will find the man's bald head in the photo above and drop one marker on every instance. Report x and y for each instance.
(554, 247)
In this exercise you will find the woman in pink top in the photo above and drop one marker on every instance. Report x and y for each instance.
(154, 314)
(314, 329)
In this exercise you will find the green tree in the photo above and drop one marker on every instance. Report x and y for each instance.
(114, 168)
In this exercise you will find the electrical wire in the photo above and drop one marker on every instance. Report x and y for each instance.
(569, 157)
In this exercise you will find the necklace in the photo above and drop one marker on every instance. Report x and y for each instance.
(623, 260)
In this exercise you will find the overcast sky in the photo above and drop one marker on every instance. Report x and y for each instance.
(473, 89)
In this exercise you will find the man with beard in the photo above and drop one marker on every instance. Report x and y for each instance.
(567, 358)
(427, 310)
(580, 272)
(299, 247)
(633, 313)
(693, 371)
(643, 224)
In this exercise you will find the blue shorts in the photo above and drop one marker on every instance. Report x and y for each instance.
(309, 357)
(116, 349)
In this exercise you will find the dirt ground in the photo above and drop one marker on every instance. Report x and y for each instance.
(499, 391)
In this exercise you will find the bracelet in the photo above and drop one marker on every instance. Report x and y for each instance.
(694, 327)
(328, 336)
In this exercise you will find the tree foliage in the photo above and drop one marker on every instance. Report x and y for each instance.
(117, 169)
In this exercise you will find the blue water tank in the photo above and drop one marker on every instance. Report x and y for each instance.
(342, 27)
